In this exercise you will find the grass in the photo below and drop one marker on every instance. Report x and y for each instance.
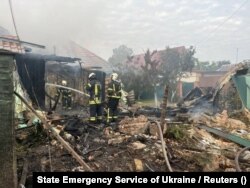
(151, 103)
(148, 102)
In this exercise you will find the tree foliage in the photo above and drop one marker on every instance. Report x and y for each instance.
(160, 68)
(213, 66)
(151, 71)
(167, 67)
(120, 55)
(131, 78)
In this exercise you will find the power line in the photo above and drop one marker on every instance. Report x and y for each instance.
(33, 91)
(226, 20)
(13, 19)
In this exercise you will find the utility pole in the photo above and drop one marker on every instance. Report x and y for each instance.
(237, 53)
(54, 49)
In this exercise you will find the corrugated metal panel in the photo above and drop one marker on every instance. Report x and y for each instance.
(242, 83)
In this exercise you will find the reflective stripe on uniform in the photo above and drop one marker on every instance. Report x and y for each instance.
(96, 90)
(92, 102)
(116, 97)
(92, 118)
(108, 118)
(115, 117)
(99, 117)
(97, 101)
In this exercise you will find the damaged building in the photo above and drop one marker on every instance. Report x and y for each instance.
(26, 74)
(206, 131)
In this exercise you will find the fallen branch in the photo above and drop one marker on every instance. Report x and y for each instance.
(55, 133)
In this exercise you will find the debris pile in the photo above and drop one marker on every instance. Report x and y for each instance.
(199, 136)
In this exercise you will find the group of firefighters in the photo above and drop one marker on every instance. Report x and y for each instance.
(95, 90)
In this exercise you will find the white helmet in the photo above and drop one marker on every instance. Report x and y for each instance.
(64, 82)
(114, 76)
(92, 75)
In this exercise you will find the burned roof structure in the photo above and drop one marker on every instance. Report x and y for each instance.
(31, 68)
(231, 92)
(90, 59)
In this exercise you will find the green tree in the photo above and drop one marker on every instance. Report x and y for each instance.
(119, 57)
(151, 72)
(174, 65)
(131, 78)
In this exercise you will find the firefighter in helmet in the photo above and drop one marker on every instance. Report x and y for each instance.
(94, 89)
(114, 94)
(66, 96)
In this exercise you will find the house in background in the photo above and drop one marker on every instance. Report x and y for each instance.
(138, 60)
(201, 79)
(196, 78)
(89, 59)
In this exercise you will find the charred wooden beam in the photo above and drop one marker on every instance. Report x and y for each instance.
(55, 134)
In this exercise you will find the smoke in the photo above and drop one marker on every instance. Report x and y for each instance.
(55, 22)
(102, 25)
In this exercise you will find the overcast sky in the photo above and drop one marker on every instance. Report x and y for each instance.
(101, 25)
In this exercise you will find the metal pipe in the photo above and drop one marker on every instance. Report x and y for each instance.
(228, 136)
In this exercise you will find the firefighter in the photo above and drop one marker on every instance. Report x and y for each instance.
(66, 96)
(95, 100)
(114, 94)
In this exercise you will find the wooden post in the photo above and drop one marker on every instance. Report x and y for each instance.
(8, 175)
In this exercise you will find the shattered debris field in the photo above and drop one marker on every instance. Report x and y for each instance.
(201, 133)
(134, 145)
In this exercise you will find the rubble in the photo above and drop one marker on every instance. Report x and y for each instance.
(133, 126)
(138, 165)
(117, 140)
(135, 144)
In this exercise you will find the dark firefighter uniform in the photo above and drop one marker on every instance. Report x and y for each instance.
(95, 102)
(114, 95)
(66, 97)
